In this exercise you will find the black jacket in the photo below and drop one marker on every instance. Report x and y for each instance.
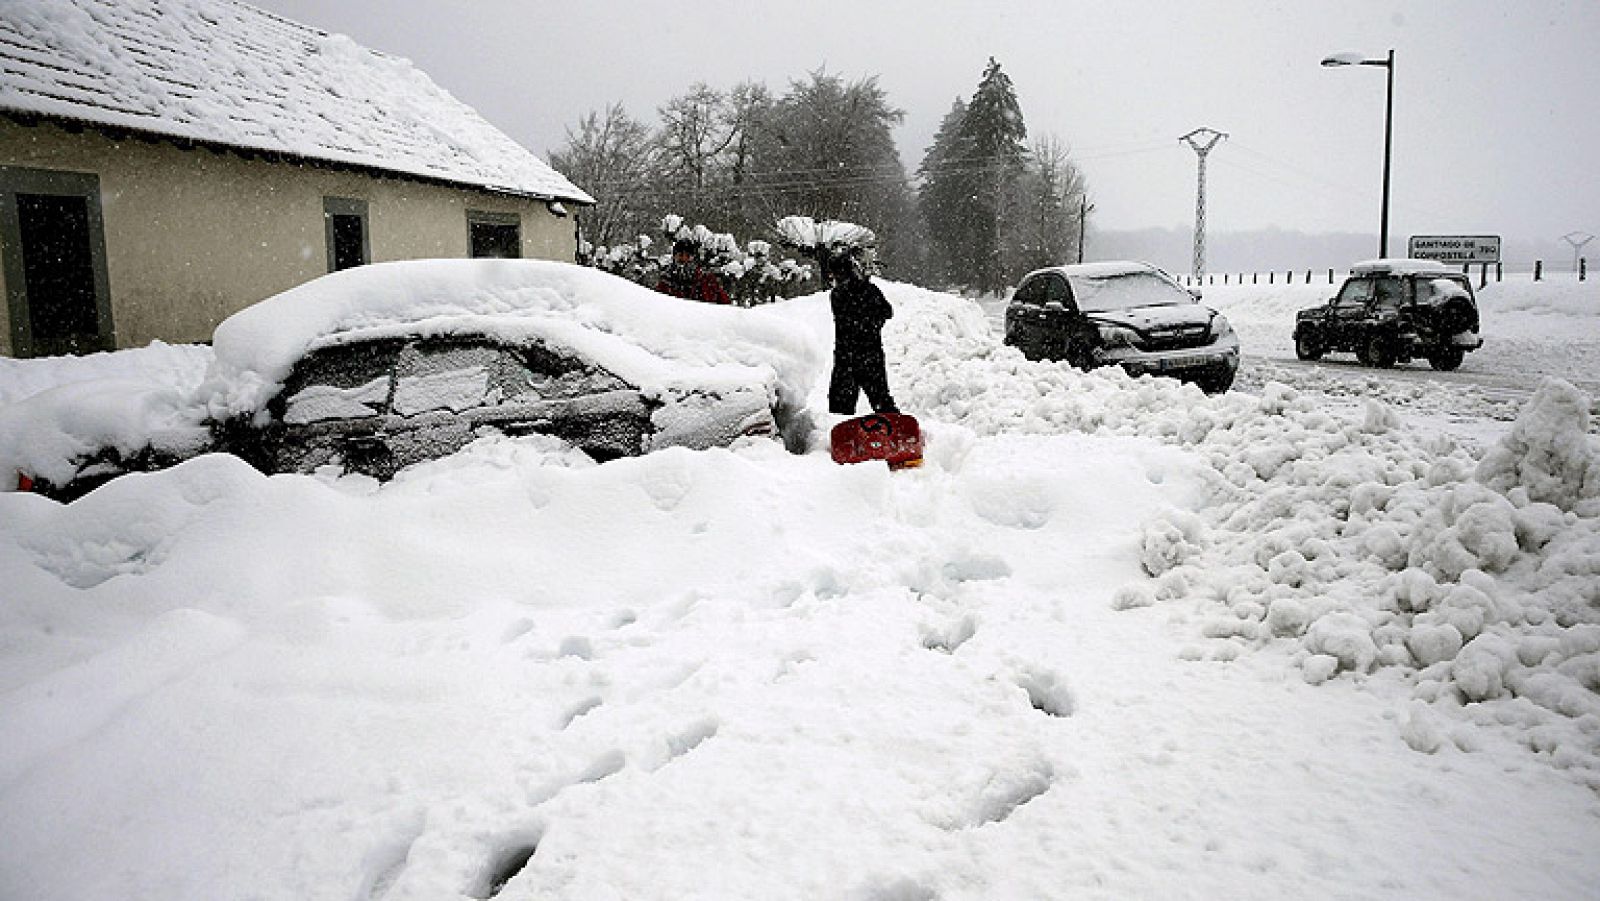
(859, 312)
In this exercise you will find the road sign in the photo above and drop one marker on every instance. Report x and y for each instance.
(1455, 248)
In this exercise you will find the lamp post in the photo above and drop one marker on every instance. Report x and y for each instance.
(1356, 59)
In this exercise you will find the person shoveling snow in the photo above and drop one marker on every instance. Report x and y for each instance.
(860, 311)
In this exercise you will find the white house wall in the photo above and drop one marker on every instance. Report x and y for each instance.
(192, 236)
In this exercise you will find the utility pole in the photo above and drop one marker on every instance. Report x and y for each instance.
(1201, 140)
(1084, 206)
(1577, 240)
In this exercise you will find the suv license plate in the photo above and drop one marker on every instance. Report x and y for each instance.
(1188, 362)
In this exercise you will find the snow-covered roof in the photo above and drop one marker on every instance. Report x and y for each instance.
(225, 73)
(1399, 266)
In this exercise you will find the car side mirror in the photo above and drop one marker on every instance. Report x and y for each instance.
(1195, 293)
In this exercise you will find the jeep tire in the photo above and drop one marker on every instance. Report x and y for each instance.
(1379, 350)
(1446, 359)
(1307, 347)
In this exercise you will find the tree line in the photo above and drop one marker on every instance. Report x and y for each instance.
(985, 205)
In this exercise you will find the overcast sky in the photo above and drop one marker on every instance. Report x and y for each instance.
(1496, 124)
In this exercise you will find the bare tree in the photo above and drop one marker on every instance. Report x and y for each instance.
(612, 156)
(693, 135)
(1042, 209)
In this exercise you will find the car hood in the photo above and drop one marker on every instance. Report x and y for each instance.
(1148, 319)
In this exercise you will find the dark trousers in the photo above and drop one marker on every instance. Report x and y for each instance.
(855, 371)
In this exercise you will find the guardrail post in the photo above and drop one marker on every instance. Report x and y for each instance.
(1499, 271)
(1269, 276)
(1253, 277)
(1538, 269)
(1483, 276)
(1330, 276)
(1583, 268)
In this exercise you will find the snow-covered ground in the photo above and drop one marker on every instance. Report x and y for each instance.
(1115, 639)
(1531, 329)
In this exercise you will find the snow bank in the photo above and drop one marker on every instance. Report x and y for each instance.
(179, 366)
(1339, 537)
(1356, 550)
(1115, 639)
(51, 434)
(1549, 456)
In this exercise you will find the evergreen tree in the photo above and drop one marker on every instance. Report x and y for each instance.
(992, 134)
(941, 198)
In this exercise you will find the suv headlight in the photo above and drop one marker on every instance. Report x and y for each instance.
(1118, 336)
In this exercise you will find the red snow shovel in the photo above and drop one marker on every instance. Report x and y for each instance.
(895, 438)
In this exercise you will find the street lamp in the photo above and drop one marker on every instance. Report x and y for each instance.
(1356, 59)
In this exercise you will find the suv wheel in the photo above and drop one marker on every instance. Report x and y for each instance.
(1216, 383)
(1446, 359)
(1079, 355)
(1307, 347)
(1379, 351)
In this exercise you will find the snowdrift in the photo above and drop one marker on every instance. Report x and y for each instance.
(1115, 639)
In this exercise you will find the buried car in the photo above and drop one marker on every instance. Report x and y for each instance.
(373, 369)
(1392, 311)
(1128, 314)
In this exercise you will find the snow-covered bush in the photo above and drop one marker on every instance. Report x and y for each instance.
(749, 274)
(825, 240)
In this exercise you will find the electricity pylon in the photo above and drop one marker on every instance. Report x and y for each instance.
(1201, 140)
(1577, 240)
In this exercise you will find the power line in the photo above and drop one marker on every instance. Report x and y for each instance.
(895, 171)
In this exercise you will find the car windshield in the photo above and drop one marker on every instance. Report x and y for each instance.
(1127, 291)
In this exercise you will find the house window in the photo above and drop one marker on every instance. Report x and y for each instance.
(52, 238)
(345, 225)
(494, 234)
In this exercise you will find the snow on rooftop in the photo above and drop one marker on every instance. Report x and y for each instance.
(1102, 269)
(1399, 266)
(224, 72)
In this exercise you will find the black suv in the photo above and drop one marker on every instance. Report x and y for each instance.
(1393, 311)
(1122, 313)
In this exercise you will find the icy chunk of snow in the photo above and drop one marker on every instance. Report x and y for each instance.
(1479, 670)
(1548, 452)
(1345, 637)
(1431, 644)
